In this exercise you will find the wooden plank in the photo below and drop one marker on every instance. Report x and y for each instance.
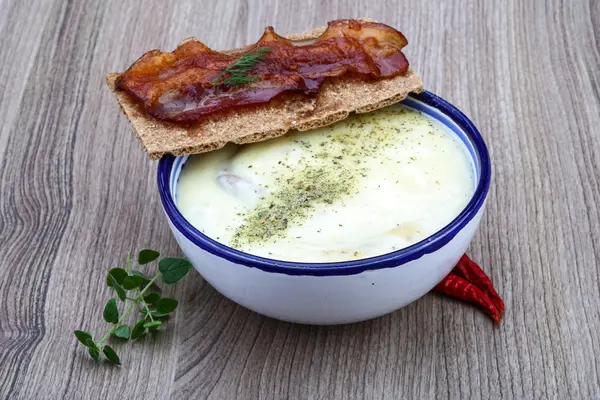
(21, 27)
(78, 193)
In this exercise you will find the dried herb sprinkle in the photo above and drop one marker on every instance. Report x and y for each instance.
(292, 202)
(329, 172)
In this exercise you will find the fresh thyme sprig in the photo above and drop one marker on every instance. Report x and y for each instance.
(134, 287)
(238, 72)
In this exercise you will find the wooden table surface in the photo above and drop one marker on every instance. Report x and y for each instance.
(77, 193)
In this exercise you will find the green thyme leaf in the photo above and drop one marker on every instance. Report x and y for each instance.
(141, 274)
(93, 349)
(119, 274)
(166, 305)
(83, 337)
(111, 312)
(147, 256)
(152, 324)
(146, 279)
(122, 332)
(94, 353)
(90, 344)
(138, 330)
(131, 282)
(111, 355)
(117, 287)
(173, 269)
(152, 298)
(157, 315)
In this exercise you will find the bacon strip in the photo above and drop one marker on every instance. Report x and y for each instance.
(177, 86)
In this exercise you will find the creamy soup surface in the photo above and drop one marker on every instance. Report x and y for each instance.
(366, 186)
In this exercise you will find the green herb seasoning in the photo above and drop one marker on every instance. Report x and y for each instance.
(292, 202)
(331, 176)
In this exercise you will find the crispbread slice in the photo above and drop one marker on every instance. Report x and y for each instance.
(334, 102)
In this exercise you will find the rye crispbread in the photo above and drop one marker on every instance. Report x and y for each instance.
(334, 102)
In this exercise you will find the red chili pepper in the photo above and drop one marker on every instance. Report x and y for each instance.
(472, 272)
(468, 282)
(454, 285)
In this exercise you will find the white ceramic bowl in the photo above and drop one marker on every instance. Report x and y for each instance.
(340, 292)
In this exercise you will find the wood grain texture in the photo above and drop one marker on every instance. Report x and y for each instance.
(77, 193)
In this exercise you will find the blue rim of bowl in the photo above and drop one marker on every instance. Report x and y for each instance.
(389, 260)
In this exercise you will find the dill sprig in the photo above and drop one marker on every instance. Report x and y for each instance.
(238, 72)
